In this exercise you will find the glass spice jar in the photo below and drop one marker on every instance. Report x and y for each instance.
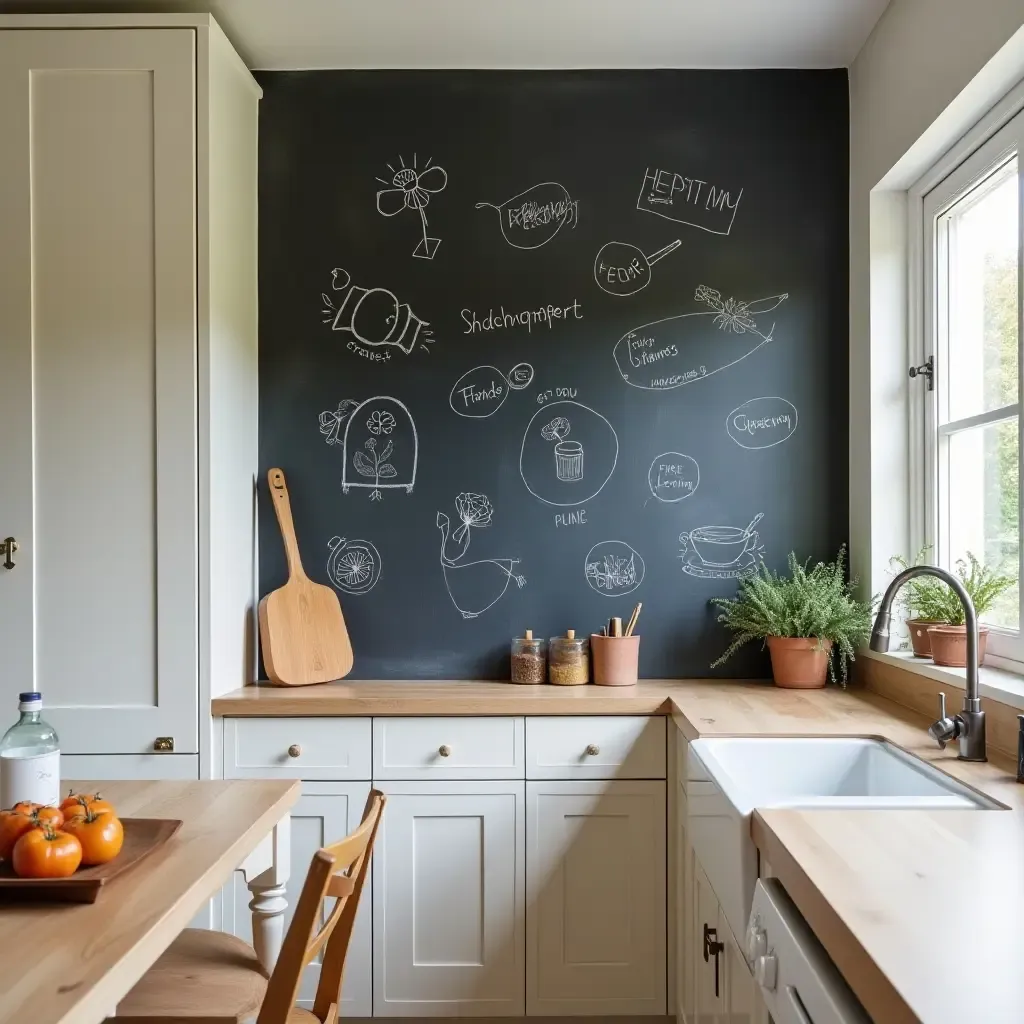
(568, 659)
(529, 659)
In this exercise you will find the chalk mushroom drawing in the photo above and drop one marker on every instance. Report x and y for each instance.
(622, 269)
(411, 189)
(379, 443)
(473, 587)
(673, 477)
(701, 204)
(762, 423)
(568, 454)
(613, 568)
(353, 566)
(374, 318)
(532, 218)
(482, 391)
(682, 349)
(721, 552)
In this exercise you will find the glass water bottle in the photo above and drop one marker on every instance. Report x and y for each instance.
(30, 757)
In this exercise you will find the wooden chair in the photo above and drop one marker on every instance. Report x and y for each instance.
(208, 977)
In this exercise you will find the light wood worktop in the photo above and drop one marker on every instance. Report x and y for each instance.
(71, 964)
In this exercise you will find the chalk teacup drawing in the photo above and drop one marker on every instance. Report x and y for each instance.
(411, 189)
(535, 216)
(622, 269)
(614, 568)
(721, 552)
(568, 454)
(353, 566)
(475, 586)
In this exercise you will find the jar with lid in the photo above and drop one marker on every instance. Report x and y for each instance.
(529, 659)
(568, 659)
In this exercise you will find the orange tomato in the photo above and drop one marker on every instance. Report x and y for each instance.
(74, 802)
(26, 807)
(13, 825)
(48, 816)
(46, 853)
(100, 833)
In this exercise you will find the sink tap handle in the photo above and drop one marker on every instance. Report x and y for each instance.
(944, 729)
(942, 705)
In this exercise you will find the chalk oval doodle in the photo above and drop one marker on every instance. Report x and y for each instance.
(614, 568)
(479, 392)
(673, 476)
(762, 423)
(534, 217)
(520, 376)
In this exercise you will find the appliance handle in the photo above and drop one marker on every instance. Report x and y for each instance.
(796, 1003)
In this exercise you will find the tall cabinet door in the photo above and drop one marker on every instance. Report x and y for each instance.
(98, 383)
(448, 900)
(595, 920)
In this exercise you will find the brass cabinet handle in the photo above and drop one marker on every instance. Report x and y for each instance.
(294, 750)
(444, 750)
(164, 744)
(593, 749)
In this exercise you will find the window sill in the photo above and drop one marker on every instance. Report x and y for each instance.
(995, 683)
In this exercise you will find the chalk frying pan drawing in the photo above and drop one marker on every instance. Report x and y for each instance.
(411, 189)
(482, 391)
(622, 269)
(532, 218)
(353, 566)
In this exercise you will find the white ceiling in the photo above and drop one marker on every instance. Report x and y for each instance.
(283, 34)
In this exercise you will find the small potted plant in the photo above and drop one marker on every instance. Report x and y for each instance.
(809, 620)
(922, 600)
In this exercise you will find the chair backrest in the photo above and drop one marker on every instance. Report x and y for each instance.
(338, 870)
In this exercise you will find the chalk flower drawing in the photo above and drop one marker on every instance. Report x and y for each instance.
(732, 314)
(473, 586)
(411, 189)
(613, 568)
(353, 566)
(376, 463)
(380, 422)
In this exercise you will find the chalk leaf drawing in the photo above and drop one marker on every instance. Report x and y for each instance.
(613, 568)
(475, 586)
(373, 317)
(535, 216)
(762, 423)
(681, 349)
(353, 566)
(482, 391)
(559, 480)
(411, 189)
(379, 443)
(722, 552)
(622, 269)
(686, 200)
(673, 477)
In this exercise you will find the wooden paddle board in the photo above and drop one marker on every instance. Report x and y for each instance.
(302, 629)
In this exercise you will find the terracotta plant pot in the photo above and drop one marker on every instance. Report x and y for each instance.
(798, 663)
(919, 638)
(949, 645)
(615, 659)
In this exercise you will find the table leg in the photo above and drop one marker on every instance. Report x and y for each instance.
(266, 872)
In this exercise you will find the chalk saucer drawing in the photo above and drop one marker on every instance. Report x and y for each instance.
(411, 189)
(673, 477)
(476, 586)
(722, 552)
(379, 443)
(556, 473)
(353, 566)
(532, 218)
(762, 423)
(622, 269)
(482, 391)
(679, 350)
(614, 568)
(374, 318)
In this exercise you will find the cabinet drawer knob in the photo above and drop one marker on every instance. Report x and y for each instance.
(593, 749)
(444, 750)
(294, 750)
(164, 744)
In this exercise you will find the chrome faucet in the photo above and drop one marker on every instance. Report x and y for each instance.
(967, 727)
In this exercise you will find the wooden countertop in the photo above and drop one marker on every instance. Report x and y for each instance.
(71, 964)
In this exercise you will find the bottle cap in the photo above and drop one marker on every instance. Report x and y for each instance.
(28, 701)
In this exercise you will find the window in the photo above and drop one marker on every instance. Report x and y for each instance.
(972, 417)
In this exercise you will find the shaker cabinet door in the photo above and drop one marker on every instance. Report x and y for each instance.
(98, 474)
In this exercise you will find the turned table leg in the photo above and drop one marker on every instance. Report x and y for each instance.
(266, 872)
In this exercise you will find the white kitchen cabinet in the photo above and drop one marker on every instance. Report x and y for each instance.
(128, 396)
(595, 898)
(681, 918)
(448, 900)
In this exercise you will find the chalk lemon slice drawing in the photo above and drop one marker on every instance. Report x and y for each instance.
(532, 218)
(682, 349)
(354, 565)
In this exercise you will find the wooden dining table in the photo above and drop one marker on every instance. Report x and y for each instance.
(72, 963)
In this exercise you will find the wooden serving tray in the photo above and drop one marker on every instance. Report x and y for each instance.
(141, 837)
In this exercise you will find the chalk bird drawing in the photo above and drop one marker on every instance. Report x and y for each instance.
(473, 586)
(411, 189)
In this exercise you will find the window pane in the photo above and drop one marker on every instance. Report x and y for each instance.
(982, 290)
(984, 497)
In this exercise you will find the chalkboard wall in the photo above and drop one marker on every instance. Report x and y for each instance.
(535, 346)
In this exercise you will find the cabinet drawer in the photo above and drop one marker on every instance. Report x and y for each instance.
(595, 747)
(447, 748)
(317, 749)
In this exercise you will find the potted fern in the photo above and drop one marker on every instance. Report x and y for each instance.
(809, 620)
(921, 600)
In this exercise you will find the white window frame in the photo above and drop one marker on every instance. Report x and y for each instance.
(993, 141)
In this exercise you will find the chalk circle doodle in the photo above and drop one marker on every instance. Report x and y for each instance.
(534, 217)
(682, 349)
(722, 552)
(374, 318)
(673, 477)
(685, 200)
(353, 566)
(482, 391)
(762, 423)
(411, 189)
(622, 269)
(552, 467)
(379, 443)
(473, 586)
(613, 568)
